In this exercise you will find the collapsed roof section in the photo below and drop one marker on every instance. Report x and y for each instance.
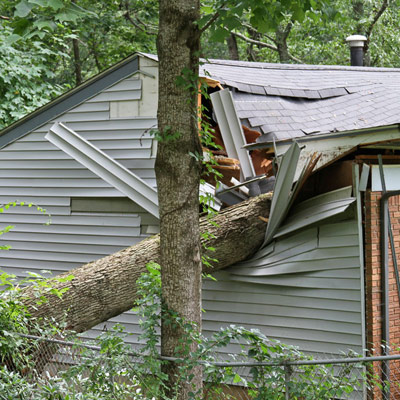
(293, 101)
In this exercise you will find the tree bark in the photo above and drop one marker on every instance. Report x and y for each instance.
(107, 287)
(232, 47)
(178, 178)
(281, 35)
(77, 59)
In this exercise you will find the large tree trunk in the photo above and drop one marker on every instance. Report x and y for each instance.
(107, 287)
(178, 178)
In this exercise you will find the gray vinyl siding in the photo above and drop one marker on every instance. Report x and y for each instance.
(34, 170)
(305, 291)
(318, 311)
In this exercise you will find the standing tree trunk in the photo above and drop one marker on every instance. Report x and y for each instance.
(178, 176)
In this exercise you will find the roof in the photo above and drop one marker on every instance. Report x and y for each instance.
(294, 101)
(282, 101)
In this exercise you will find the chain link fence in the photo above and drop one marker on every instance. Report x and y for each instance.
(82, 365)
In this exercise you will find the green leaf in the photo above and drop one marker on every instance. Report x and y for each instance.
(45, 24)
(21, 26)
(42, 3)
(220, 34)
(22, 9)
(55, 4)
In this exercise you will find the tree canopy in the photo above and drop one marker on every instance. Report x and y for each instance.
(68, 41)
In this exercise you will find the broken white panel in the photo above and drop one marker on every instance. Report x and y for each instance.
(104, 167)
(391, 174)
(333, 146)
(364, 178)
(282, 196)
(231, 130)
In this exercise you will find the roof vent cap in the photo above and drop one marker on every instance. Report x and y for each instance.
(356, 40)
(356, 43)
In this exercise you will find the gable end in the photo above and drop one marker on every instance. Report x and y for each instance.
(69, 100)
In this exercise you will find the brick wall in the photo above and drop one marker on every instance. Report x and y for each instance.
(373, 289)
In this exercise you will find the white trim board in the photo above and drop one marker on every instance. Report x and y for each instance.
(104, 167)
(231, 130)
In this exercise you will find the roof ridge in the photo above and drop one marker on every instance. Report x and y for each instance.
(264, 65)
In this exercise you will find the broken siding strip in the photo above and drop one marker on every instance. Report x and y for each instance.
(338, 194)
(231, 130)
(277, 255)
(282, 191)
(313, 216)
(42, 201)
(305, 266)
(105, 167)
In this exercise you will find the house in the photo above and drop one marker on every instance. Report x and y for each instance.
(88, 158)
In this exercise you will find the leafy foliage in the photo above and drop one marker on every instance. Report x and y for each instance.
(26, 80)
(116, 372)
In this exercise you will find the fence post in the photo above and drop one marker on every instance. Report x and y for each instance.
(288, 373)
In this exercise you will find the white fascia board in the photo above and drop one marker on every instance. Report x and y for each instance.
(332, 148)
(231, 130)
(104, 167)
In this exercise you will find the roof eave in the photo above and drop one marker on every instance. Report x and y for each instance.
(353, 132)
(69, 100)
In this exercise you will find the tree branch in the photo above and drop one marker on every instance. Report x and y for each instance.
(5, 18)
(256, 42)
(287, 29)
(251, 28)
(263, 44)
(379, 13)
(211, 21)
(144, 28)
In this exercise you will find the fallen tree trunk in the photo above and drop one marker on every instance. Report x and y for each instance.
(107, 287)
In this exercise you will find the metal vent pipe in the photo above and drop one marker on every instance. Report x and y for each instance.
(356, 43)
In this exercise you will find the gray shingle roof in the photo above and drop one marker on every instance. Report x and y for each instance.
(291, 101)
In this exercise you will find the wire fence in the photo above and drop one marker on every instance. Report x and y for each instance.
(107, 367)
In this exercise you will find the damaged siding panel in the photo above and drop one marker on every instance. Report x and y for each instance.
(337, 203)
(105, 167)
(63, 246)
(312, 255)
(231, 130)
(282, 191)
(313, 285)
